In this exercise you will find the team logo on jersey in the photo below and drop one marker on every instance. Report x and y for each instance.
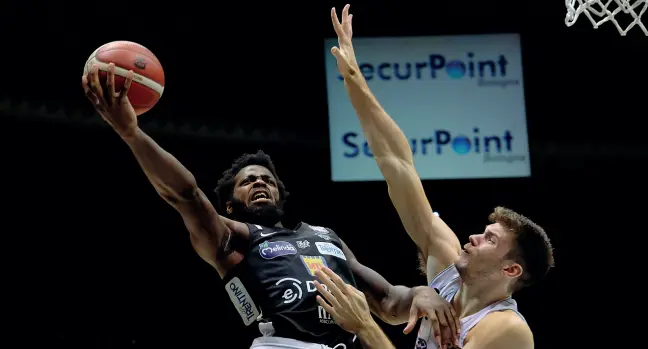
(421, 343)
(242, 301)
(273, 249)
(329, 249)
(303, 244)
(313, 263)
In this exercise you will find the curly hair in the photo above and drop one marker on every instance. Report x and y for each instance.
(532, 249)
(225, 187)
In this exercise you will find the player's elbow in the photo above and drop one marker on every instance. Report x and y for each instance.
(188, 193)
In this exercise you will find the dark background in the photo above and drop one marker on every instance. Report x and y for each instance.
(95, 259)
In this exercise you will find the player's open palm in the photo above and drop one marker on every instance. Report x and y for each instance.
(346, 60)
(114, 107)
(347, 306)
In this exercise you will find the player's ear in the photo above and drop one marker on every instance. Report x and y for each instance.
(513, 270)
(228, 207)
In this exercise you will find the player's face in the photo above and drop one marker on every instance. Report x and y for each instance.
(255, 198)
(254, 185)
(485, 256)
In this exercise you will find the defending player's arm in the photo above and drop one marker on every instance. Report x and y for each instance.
(210, 233)
(393, 155)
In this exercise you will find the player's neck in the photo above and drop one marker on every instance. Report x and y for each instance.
(472, 298)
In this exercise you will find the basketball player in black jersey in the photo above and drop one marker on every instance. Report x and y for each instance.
(268, 269)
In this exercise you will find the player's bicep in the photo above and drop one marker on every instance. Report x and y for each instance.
(430, 233)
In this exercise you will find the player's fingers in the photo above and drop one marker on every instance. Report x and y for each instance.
(456, 320)
(110, 85)
(123, 94)
(329, 309)
(340, 297)
(434, 323)
(95, 83)
(89, 94)
(336, 279)
(345, 15)
(327, 294)
(443, 324)
(413, 318)
(455, 327)
(336, 24)
(349, 27)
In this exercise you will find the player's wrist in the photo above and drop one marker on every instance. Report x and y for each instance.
(368, 329)
(128, 133)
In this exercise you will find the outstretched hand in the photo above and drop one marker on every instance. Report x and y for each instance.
(347, 306)
(344, 54)
(114, 107)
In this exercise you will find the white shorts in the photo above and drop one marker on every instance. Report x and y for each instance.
(287, 343)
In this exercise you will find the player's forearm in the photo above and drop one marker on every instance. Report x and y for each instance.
(385, 138)
(396, 304)
(169, 177)
(372, 337)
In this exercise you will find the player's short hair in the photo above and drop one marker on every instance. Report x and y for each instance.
(225, 187)
(532, 249)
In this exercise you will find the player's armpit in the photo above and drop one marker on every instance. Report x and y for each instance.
(500, 330)
(430, 233)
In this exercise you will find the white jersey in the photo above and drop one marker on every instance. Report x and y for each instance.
(448, 283)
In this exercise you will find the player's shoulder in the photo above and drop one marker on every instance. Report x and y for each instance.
(317, 228)
(507, 324)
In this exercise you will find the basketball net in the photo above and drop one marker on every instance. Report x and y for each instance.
(601, 11)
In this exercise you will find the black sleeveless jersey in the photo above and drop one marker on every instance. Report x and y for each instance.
(274, 283)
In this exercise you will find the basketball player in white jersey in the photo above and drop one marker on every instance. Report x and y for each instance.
(512, 252)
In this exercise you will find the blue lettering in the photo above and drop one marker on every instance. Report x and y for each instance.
(347, 139)
(442, 141)
(434, 65)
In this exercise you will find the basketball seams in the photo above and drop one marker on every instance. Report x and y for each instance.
(138, 78)
(152, 58)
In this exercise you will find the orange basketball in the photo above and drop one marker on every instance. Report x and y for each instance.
(148, 80)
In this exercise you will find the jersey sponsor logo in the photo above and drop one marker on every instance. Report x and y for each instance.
(241, 299)
(327, 248)
(303, 244)
(273, 249)
(321, 230)
(295, 289)
(313, 263)
(324, 236)
(268, 234)
(324, 316)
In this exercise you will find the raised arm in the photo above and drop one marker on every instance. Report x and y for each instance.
(392, 152)
(210, 234)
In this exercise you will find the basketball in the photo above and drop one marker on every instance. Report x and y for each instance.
(148, 80)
